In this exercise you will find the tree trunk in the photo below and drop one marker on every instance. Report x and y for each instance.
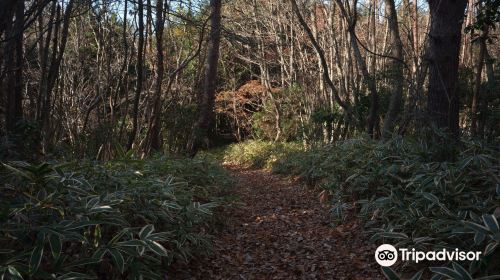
(206, 104)
(326, 73)
(57, 56)
(490, 76)
(395, 70)
(6, 13)
(140, 75)
(415, 33)
(477, 79)
(443, 54)
(369, 79)
(155, 140)
(14, 65)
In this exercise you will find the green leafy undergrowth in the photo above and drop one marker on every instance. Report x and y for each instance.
(122, 219)
(408, 195)
(257, 153)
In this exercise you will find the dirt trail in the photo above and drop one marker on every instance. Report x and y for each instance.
(283, 232)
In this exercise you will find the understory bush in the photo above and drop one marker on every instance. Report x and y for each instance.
(122, 219)
(257, 153)
(407, 193)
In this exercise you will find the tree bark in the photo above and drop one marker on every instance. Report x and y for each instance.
(443, 54)
(326, 76)
(369, 79)
(395, 70)
(140, 75)
(14, 65)
(206, 104)
(57, 56)
(155, 140)
(477, 79)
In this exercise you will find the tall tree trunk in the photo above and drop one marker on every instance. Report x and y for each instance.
(44, 58)
(477, 79)
(395, 70)
(140, 75)
(372, 37)
(206, 104)
(14, 65)
(490, 76)
(415, 39)
(155, 141)
(443, 54)
(57, 56)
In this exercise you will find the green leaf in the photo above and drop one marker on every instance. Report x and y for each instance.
(101, 209)
(159, 236)
(36, 258)
(157, 248)
(417, 275)
(55, 245)
(6, 251)
(151, 275)
(431, 197)
(475, 217)
(75, 276)
(491, 222)
(131, 243)
(98, 254)
(77, 225)
(477, 227)
(146, 231)
(118, 259)
(447, 272)
(390, 274)
(14, 272)
(82, 262)
(490, 248)
(118, 236)
(422, 239)
(491, 277)
(18, 172)
(479, 237)
(465, 274)
(395, 235)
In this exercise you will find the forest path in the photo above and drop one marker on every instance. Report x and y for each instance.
(282, 232)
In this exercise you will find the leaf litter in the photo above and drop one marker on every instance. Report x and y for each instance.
(282, 231)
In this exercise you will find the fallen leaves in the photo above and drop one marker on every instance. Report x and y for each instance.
(282, 232)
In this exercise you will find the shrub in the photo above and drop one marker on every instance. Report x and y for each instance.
(406, 191)
(258, 154)
(120, 219)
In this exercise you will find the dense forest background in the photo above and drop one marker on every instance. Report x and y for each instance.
(81, 77)
(114, 113)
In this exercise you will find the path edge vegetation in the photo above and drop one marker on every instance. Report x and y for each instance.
(408, 193)
(127, 218)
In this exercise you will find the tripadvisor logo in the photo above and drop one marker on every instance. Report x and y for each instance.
(387, 255)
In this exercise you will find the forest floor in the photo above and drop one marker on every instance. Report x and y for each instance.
(282, 231)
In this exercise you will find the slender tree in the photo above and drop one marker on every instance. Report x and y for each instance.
(140, 74)
(14, 64)
(369, 79)
(481, 41)
(155, 140)
(395, 70)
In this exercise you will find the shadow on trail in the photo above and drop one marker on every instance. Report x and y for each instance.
(283, 232)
